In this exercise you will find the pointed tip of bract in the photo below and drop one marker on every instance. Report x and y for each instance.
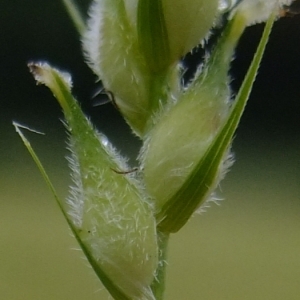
(42, 73)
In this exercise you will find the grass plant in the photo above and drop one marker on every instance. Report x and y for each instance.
(122, 215)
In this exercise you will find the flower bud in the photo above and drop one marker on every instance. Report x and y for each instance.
(188, 23)
(187, 150)
(112, 220)
(179, 141)
(112, 50)
(168, 29)
(135, 45)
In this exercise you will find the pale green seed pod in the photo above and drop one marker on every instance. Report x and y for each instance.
(112, 50)
(188, 22)
(134, 47)
(111, 216)
(180, 139)
(179, 188)
(169, 29)
(181, 151)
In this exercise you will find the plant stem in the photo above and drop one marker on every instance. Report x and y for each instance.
(75, 15)
(158, 284)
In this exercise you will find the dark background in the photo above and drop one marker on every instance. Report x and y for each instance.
(248, 248)
(35, 30)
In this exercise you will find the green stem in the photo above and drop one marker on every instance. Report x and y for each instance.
(75, 15)
(158, 284)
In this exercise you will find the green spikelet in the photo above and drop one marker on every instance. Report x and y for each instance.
(113, 221)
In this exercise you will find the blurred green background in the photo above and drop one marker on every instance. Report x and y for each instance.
(246, 248)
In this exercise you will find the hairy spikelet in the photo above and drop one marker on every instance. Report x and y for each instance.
(111, 48)
(111, 216)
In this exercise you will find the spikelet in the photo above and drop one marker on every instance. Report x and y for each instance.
(112, 218)
(111, 48)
